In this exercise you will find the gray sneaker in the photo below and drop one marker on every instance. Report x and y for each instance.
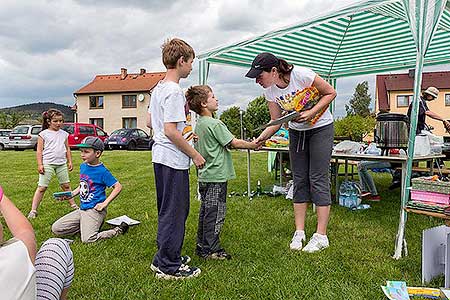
(184, 272)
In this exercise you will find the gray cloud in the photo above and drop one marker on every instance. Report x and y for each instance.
(49, 48)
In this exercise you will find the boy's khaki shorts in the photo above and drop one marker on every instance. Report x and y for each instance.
(61, 171)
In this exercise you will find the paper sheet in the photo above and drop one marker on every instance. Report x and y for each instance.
(116, 221)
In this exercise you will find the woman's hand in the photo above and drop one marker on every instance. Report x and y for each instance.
(305, 116)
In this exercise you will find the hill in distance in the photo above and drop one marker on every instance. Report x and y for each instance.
(35, 110)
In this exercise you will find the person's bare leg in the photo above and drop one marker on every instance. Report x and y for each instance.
(323, 215)
(66, 188)
(37, 198)
(300, 215)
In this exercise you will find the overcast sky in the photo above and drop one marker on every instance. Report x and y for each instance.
(49, 49)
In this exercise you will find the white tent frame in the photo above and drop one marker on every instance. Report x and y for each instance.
(423, 18)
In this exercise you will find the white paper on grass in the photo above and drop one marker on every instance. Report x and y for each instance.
(118, 220)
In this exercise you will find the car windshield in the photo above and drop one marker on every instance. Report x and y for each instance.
(20, 130)
(120, 132)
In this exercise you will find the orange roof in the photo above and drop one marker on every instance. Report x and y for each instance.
(114, 84)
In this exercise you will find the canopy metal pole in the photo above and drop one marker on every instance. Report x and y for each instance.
(400, 240)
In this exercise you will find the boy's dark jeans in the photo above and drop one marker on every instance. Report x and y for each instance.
(172, 193)
(212, 216)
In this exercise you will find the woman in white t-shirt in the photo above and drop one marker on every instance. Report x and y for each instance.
(24, 274)
(53, 157)
(310, 140)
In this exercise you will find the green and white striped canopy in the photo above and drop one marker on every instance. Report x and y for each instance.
(368, 37)
(365, 38)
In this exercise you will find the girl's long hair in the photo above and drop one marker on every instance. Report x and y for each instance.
(284, 69)
(48, 115)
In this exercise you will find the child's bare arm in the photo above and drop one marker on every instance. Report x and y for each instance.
(39, 150)
(68, 156)
(241, 144)
(117, 188)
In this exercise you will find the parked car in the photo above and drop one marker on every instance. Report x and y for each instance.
(78, 131)
(4, 138)
(24, 137)
(128, 138)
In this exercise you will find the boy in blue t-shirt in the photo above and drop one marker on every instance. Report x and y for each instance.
(94, 179)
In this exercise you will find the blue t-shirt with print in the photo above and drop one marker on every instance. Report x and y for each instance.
(93, 182)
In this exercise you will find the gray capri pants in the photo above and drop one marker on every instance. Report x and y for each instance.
(54, 269)
(310, 154)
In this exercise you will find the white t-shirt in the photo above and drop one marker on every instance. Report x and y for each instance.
(17, 273)
(301, 78)
(167, 105)
(54, 146)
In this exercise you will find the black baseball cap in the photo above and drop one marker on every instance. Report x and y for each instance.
(263, 61)
(92, 142)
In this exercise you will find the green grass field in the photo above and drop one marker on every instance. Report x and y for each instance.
(256, 233)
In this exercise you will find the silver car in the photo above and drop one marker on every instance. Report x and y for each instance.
(4, 138)
(24, 137)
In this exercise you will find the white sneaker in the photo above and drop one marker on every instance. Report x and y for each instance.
(316, 243)
(297, 240)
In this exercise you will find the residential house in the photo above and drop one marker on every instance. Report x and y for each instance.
(394, 93)
(117, 100)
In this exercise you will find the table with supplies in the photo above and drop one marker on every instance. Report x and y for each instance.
(344, 158)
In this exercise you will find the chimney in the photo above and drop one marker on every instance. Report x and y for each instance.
(142, 72)
(123, 73)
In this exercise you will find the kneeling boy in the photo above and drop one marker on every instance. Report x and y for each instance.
(94, 179)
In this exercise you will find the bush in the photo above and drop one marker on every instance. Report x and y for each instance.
(354, 126)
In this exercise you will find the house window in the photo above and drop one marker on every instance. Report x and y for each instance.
(95, 102)
(96, 121)
(129, 122)
(128, 101)
(404, 100)
(447, 99)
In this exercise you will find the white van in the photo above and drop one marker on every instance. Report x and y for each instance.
(4, 138)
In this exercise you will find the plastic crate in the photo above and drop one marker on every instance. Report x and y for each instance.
(430, 197)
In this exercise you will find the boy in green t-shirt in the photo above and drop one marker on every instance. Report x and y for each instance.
(213, 144)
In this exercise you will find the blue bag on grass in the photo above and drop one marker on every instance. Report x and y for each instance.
(349, 194)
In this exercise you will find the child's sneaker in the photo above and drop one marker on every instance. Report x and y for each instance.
(375, 198)
(297, 240)
(185, 259)
(365, 194)
(316, 243)
(219, 255)
(32, 214)
(184, 272)
(123, 227)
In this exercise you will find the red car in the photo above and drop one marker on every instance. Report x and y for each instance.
(78, 131)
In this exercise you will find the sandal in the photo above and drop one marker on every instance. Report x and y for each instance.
(32, 214)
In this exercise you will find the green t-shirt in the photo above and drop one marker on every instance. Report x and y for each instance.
(213, 138)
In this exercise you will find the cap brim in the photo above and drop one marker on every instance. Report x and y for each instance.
(84, 146)
(253, 73)
(431, 94)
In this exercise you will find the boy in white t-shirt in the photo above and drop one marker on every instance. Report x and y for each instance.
(171, 154)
